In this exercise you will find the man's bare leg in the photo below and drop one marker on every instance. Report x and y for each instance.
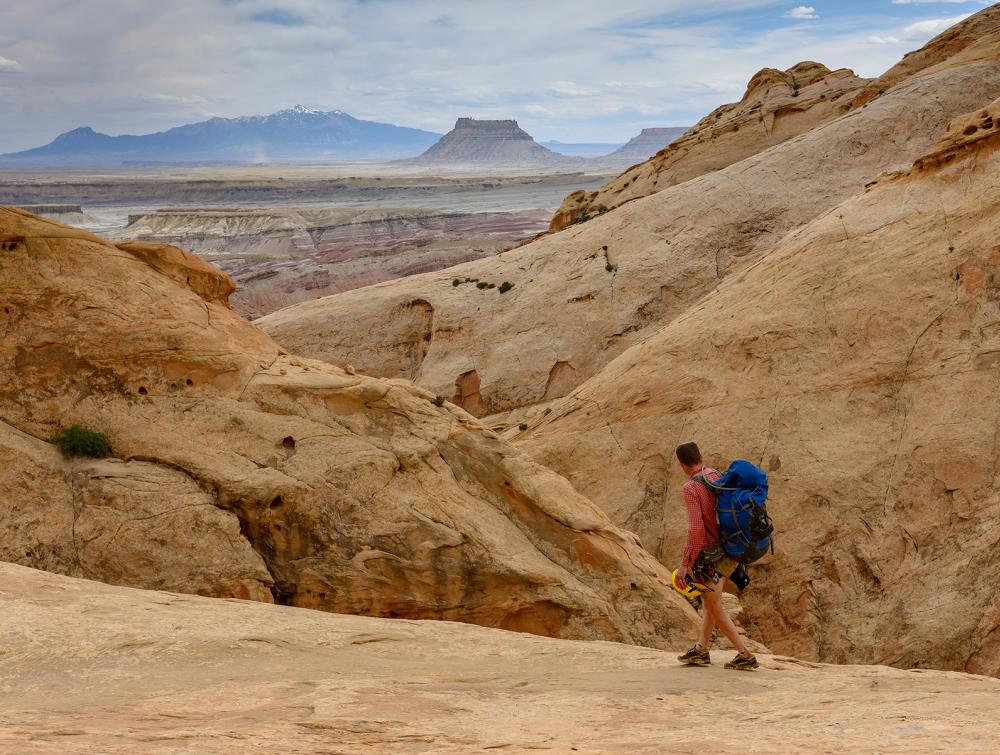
(707, 625)
(713, 605)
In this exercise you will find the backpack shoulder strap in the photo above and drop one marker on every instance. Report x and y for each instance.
(712, 486)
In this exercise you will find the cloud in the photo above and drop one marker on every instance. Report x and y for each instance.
(929, 2)
(174, 99)
(925, 29)
(920, 31)
(570, 89)
(9, 66)
(802, 12)
(278, 17)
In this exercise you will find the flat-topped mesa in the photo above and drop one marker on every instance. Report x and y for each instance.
(500, 142)
(777, 105)
(51, 209)
(499, 126)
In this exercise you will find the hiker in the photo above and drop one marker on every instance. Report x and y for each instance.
(704, 561)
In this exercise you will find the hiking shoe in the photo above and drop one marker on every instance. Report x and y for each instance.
(743, 663)
(696, 657)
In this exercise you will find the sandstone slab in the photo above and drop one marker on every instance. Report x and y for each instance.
(92, 668)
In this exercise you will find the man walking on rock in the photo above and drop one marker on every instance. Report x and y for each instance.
(705, 561)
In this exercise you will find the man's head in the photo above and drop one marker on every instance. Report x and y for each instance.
(689, 456)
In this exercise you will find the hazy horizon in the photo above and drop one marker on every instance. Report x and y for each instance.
(569, 72)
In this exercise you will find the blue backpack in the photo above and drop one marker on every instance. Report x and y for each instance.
(741, 510)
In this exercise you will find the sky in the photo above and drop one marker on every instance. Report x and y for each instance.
(572, 71)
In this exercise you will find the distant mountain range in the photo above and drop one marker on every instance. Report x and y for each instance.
(295, 134)
(300, 134)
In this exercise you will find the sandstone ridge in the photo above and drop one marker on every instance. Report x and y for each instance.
(136, 675)
(582, 296)
(241, 471)
(777, 106)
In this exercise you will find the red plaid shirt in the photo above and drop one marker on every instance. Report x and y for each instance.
(703, 529)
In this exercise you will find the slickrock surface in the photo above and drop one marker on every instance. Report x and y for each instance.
(499, 143)
(245, 471)
(859, 362)
(584, 295)
(92, 668)
(777, 106)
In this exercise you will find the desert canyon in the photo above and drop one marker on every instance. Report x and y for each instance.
(420, 495)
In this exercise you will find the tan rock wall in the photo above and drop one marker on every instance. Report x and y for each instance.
(858, 363)
(132, 523)
(246, 472)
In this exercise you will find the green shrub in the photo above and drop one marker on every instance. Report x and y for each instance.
(76, 441)
(482, 285)
(438, 401)
(456, 282)
(506, 286)
(523, 426)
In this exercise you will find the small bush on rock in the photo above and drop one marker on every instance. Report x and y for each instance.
(438, 401)
(77, 441)
(505, 287)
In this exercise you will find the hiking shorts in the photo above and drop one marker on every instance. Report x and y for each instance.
(712, 565)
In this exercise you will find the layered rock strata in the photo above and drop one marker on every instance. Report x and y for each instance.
(282, 256)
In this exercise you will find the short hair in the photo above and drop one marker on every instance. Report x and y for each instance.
(688, 453)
